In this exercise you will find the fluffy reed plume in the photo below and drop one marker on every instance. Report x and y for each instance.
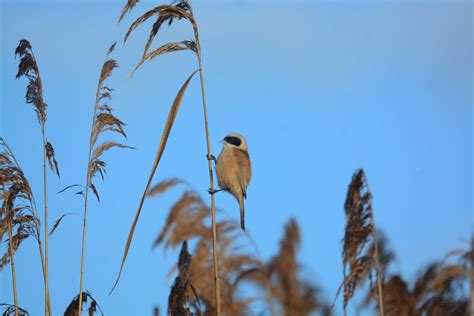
(10, 310)
(439, 290)
(93, 309)
(28, 67)
(103, 120)
(188, 219)
(295, 296)
(169, 13)
(178, 300)
(358, 259)
(18, 216)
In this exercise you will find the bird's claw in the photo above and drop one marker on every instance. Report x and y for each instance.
(212, 191)
(211, 157)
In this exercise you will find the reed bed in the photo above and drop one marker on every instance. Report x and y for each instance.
(219, 269)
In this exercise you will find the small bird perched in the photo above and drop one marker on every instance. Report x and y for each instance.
(233, 170)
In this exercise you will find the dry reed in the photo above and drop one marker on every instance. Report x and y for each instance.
(178, 300)
(12, 310)
(18, 215)
(438, 290)
(295, 295)
(161, 147)
(188, 219)
(72, 309)
(168, 13)
(28, 67)
(358, 261)
(102, 121)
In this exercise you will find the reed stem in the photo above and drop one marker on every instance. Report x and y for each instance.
(12, 262)
(47, 304)
(377, 265)
(83, 252)
(86, 194)
(211, 184)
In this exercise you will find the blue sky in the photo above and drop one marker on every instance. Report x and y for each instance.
(319, 89)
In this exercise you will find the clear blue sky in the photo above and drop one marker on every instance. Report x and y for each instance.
(319, 88)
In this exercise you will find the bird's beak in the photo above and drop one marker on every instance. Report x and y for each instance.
(221, 141)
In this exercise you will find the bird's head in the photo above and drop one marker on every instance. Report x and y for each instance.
(235, 140)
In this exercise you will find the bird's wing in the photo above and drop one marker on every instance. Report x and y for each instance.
(244, 171)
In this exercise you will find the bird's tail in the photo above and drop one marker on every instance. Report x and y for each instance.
(242, 213)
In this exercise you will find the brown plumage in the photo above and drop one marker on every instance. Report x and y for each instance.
(234, 170)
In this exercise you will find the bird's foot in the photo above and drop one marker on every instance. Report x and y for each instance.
(211, 157)
(213, 191)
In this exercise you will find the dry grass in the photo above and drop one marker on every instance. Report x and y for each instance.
(93, 309)
(103, 120)
(278, 280)
(297, 296)
(168, 13)
(161, 148)
(28, 67)
(178, 300)
(18, 205)
(281, 279)
(440, 289)
(18, 215)
(358, 259)
(207, 284)
(188, 219)
(9, 309)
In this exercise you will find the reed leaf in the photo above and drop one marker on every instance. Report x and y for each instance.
(57, 222)
(161, 147)
(127, 8)
(182, 10)
(53, 164)
(166, 48)
(167, 12)
(67, 188)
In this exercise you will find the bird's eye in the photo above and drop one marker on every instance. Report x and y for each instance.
(233, 140)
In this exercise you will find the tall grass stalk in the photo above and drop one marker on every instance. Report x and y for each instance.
(102, 120)
(83, 245)
(46, 228)
(12, 262)
(211, 185)
(376, 259)
(34, 94)
(167, 13)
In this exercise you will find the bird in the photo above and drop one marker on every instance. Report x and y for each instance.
(233, 170)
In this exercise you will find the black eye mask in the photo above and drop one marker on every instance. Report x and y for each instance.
(233, 140)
